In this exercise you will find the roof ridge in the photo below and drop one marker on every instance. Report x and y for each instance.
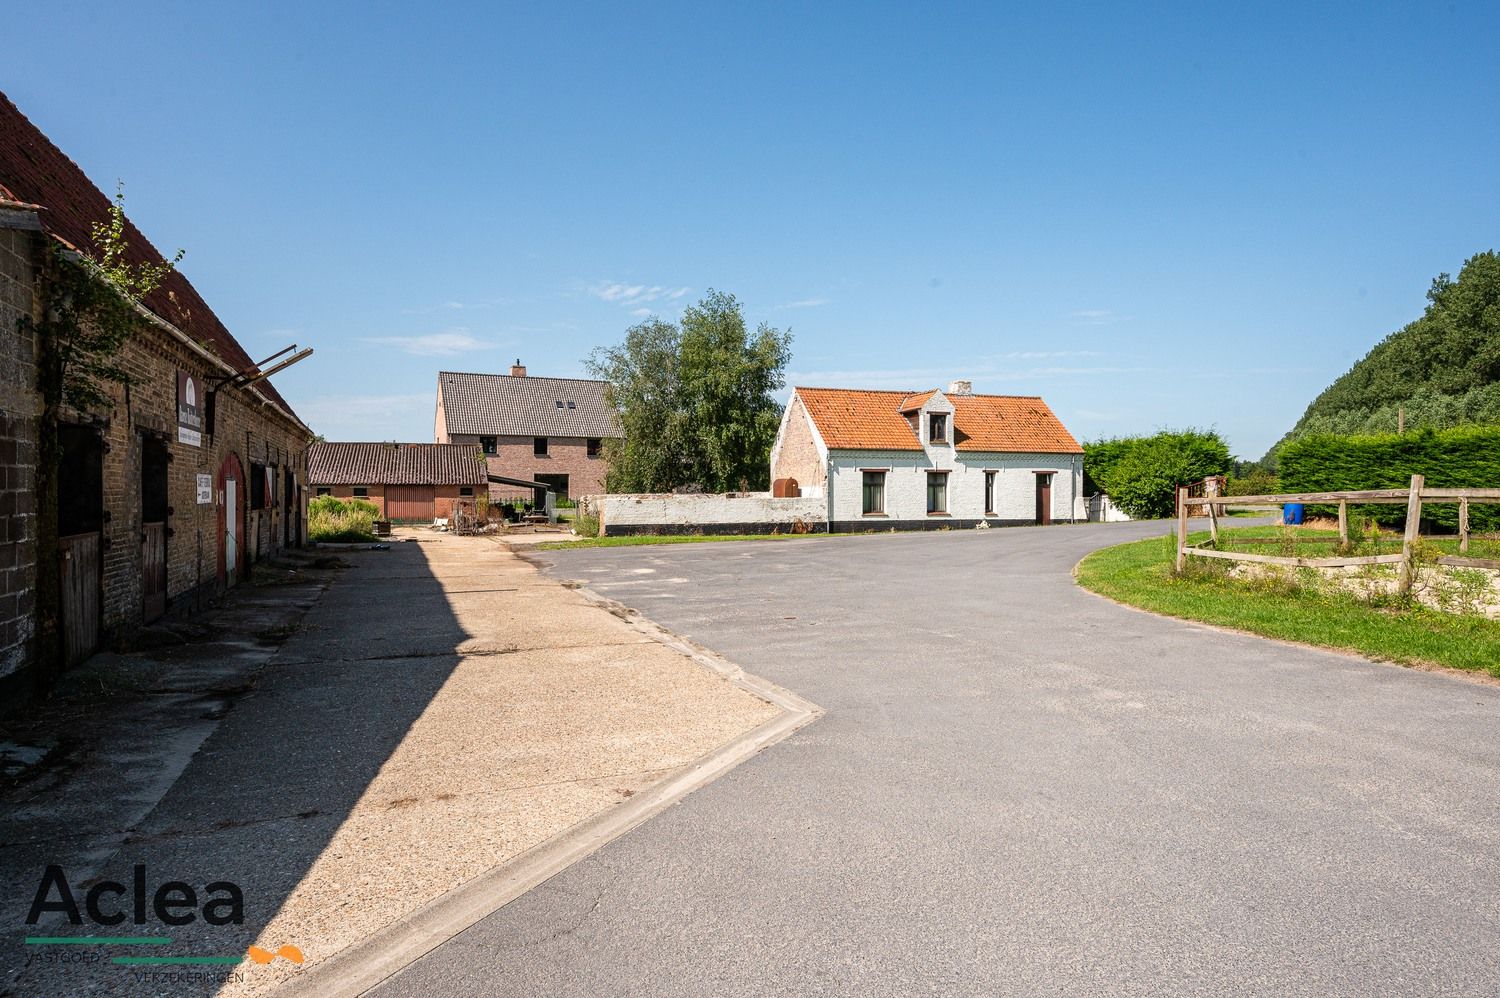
(523, 377)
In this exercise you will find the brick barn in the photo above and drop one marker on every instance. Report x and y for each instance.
(547, 430)
(158, 500)
(410, 483)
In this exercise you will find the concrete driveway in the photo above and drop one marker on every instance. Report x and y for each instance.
(1021, 788)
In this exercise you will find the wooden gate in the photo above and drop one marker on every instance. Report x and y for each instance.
(153, 570)
(80, 595)
(410, 502)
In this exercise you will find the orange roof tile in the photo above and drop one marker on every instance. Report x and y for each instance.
(860, 419)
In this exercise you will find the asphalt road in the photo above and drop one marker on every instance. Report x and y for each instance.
(1020, 788)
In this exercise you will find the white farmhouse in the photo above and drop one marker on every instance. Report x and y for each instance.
(922, 460)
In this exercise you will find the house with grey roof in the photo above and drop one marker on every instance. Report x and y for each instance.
(548, 430)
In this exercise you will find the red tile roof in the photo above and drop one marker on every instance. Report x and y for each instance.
(396, 464)
(36, 172)
(859, 419)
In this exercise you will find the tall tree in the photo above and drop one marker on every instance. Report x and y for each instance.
(697, 403)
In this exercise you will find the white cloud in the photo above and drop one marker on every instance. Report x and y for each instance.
(634, 294)
(1098, 316)
(456, 306)
(640, 313)
(445, 344)
(368, 417)
(806, 303)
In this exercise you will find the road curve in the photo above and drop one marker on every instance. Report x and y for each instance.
(1020, 788)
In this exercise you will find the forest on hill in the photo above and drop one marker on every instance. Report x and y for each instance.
(1439, 371)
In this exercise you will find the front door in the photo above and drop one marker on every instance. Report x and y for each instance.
(1044, 499)
(231, 523)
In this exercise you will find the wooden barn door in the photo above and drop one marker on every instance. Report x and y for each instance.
(410, 502)
(153, 529)
(80, 541)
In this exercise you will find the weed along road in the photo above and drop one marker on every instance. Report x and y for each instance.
(1019, 787)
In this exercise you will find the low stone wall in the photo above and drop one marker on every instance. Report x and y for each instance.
(718, 513)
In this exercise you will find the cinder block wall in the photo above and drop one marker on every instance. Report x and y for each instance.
(20, 408)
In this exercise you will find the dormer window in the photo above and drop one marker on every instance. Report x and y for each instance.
(937, 428)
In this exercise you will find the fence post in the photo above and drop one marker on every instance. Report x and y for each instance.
(1409, 539)
(1213, 525)
(1463, 526)
(1181, 527)
(1344, 522)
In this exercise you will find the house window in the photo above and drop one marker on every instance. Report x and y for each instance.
(487, 444)
(937, 428)
(989, 493)
(322, 490)
(937, 492)
(874, 493)
(361, 492)
(466, 491)
(539, 446)
(594, 446)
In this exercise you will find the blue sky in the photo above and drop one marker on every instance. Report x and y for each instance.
(1151, 217)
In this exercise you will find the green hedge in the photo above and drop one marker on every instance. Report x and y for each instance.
(1465, 456)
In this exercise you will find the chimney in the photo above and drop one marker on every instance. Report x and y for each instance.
(960, 388)
(518, 369)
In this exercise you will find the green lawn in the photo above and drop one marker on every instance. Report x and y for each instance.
(1140, 574)
(639, 539)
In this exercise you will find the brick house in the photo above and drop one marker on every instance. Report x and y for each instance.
(548, 430)
(161, 499)
(409, 482)
(923, 460)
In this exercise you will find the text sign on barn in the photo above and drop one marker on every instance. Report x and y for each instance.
(189, 409)
(205, 490)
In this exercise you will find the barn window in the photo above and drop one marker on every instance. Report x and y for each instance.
(361, 492)
(466, 491)
(874, 493)
(487, 444)
(322, 490)
(539, 446)
(257, 486)
(937, 492)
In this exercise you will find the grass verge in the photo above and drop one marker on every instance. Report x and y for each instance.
(1140, 574)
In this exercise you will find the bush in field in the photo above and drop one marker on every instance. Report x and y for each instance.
(341, 520)
(1256, 483)
(1141, 474)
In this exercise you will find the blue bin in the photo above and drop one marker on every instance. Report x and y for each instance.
(1291, 513)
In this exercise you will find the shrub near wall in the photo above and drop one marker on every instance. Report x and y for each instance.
(1465, 456)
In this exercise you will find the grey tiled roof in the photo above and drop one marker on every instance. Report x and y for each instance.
(500, 405)
(395, 464)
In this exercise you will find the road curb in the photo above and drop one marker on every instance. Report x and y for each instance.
(357, 969)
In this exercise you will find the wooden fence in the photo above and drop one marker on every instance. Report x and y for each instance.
(1412, 497)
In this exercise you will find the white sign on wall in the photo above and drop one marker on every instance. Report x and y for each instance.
(205, 490)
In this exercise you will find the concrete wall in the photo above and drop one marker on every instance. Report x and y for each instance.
(906, 488)
(724, 513)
